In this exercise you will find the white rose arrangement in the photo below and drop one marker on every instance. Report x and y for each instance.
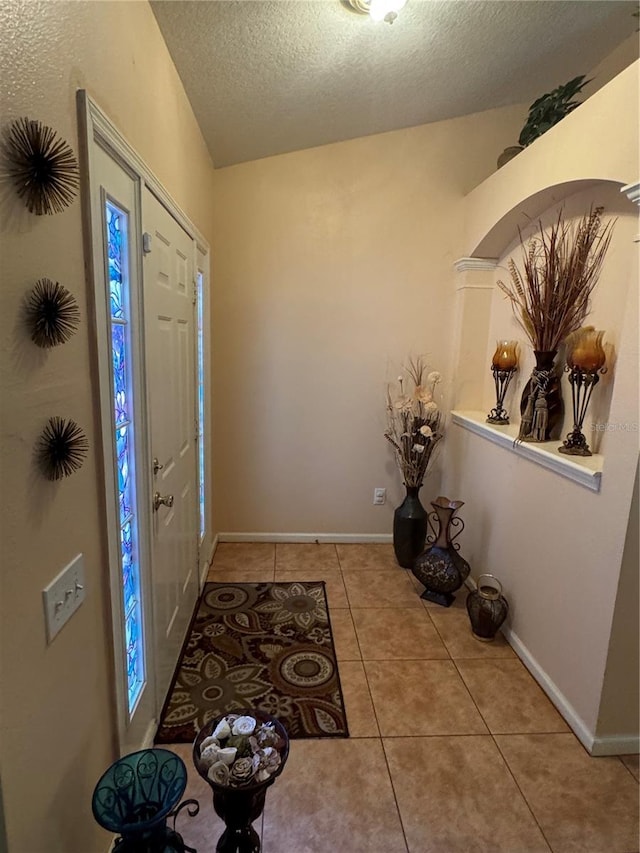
(413, 420)
(240, 751)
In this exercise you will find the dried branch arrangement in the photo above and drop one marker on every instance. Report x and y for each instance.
(552, 295)
(413, 420)
(42, 166)
(52, 313)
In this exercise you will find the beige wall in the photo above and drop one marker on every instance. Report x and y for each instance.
(57, 723)
(330, 266)
(557, 546)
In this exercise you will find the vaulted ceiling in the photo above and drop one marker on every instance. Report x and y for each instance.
(269, 76)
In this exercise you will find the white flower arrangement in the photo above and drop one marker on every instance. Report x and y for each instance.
(240, 751)
(413, 420)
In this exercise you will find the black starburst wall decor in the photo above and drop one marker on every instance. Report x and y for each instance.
(52, 313)
(41, 165)
(62, 448)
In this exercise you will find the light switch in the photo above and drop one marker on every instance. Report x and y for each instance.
(63, 596)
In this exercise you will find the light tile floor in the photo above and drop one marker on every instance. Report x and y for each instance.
(454, 748)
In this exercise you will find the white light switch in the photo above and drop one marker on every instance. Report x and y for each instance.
(63, 596)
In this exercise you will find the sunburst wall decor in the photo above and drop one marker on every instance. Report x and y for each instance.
(52, 313)
(62, 448)
(41, 165)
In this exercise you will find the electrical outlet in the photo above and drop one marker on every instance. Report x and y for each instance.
(63, 596)
(379, 496)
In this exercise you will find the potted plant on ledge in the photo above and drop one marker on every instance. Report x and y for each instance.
(544, 112)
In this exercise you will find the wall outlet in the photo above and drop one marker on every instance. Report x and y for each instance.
(379, 496)
(63, 596)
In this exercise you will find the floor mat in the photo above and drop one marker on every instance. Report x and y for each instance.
(262, 646)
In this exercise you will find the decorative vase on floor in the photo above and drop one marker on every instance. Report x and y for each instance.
(239, 807)
(487, 608)
(441, 569)
(137, 795)
(541, 403)
(409, 528)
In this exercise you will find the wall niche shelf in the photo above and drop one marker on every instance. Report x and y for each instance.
(584, 470)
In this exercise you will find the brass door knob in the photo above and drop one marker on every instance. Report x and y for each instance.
(162, 500)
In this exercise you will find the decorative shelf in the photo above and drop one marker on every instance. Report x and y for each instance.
(585, 470)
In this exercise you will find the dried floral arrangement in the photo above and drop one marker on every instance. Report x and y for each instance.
(413, 420)
(241, 751)
(560, 268)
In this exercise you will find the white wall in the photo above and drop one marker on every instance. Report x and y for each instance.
(331, 266)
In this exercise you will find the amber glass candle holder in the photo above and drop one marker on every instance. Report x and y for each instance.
(503, 365)
(585, 363)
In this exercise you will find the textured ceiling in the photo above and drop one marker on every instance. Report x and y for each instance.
(269, 76)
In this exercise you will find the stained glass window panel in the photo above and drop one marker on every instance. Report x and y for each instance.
(119, 354)
(118, 265)
(115, 241)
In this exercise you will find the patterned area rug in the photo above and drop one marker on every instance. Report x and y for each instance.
(265, 646)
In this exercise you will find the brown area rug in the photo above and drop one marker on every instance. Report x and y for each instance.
(264, 646)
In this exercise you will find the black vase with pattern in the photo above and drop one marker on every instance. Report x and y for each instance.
(441, 569)
(409, 528)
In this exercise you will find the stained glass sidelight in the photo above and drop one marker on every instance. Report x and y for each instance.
(200, 301)
(116, 227)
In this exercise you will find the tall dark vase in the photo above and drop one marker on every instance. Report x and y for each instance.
(541, 402)
(409, 528)
(441, 569)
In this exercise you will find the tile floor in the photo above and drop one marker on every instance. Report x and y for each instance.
(454, 748)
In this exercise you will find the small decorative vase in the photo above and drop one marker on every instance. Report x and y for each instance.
(137, 794)
(409, 528)
(441, 569)
(487, 608)
(239, 807)
(541, 403)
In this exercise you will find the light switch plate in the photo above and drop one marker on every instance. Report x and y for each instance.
(63, 596)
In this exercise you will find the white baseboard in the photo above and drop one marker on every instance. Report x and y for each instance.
(338, 538)
(616, 745)
(576, 723)
(204, 571)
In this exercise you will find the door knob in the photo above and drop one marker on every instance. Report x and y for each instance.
(162, 500)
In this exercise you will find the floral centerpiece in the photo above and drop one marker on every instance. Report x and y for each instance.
(241, 751)
(414, 427)
(413, 420)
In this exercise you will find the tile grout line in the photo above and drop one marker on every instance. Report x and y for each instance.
(626, 766)
(521, 792)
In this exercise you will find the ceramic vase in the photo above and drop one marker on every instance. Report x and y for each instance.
(541, 403)
(440, 568)
(487, 608)
(409, 528)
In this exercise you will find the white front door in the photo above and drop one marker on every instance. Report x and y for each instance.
(170, 346)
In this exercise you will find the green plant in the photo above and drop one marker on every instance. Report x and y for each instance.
(549, 109)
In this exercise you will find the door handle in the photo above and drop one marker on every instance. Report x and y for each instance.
(156, 465)
(161, 500)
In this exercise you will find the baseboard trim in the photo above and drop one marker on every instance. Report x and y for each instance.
(576, 723)
(204, 571)
(616, 745)
(337, 538)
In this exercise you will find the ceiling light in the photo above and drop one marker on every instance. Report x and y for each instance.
(379, 10)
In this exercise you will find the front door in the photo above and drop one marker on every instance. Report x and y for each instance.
(170, 341)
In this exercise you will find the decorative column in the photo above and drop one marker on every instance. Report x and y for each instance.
(474, 293)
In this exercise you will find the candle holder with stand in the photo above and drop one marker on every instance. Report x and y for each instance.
(585, 363)
(503, 365)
